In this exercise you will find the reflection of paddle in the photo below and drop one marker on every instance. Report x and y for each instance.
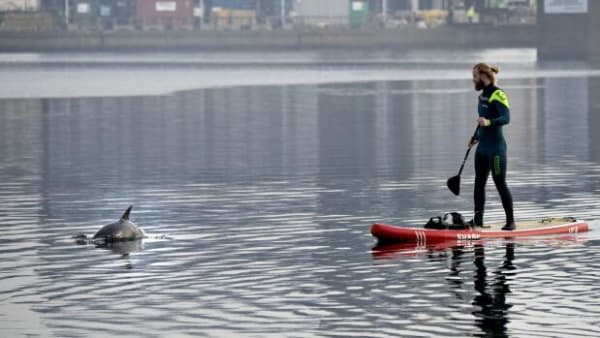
(453, 183)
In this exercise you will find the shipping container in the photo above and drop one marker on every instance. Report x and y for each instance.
(101, 14)
(19, 5)
(84, 14)
(321, 13)
(232, 14)
(124, 12)
(165, 14)
(359, 11)
(235, 4)
(274, 14)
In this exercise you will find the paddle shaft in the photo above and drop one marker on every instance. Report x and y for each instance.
(467, 154)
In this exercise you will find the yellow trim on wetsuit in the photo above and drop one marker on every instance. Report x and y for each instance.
(499, 96)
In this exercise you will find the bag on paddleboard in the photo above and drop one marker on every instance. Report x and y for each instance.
(449, 220)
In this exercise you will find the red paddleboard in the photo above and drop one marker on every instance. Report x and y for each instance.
(548, 226)
(414, 249)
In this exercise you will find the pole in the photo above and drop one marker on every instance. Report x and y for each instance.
(282, 13)
(383, 11)
(67, 14)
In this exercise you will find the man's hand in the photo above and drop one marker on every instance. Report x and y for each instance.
(473, 142)
(483, 122)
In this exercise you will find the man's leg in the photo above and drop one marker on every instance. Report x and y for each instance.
(499, 176)
(482, 170)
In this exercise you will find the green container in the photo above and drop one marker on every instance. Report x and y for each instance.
(359, 9)
(84, 13)
(83, 8)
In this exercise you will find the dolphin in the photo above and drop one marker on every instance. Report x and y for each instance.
(122, 230)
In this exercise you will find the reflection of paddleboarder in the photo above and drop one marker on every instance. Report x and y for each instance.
(492, 316)
(494, 113)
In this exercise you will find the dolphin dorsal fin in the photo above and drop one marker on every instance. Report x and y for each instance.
(125, 216)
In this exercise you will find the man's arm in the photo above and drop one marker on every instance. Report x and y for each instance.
(500, 102)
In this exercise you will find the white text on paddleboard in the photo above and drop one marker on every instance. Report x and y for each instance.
(462, 237)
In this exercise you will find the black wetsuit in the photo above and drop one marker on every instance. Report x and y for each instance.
(491, 151)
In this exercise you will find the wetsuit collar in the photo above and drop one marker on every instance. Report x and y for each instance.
(488, 90)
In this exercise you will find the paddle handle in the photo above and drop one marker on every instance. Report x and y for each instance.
(468, 151)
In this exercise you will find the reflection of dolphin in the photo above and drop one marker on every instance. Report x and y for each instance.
(122, 230)
(123, 248)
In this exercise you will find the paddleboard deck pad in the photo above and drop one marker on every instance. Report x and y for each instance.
(386, 233)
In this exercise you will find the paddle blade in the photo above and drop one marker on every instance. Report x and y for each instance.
(453, 184)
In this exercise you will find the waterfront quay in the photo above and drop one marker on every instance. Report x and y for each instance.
(459, 36)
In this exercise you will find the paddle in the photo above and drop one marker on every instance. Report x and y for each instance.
(453, 182)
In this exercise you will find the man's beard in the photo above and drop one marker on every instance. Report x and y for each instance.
(479, 85)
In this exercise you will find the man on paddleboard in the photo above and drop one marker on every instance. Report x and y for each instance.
(494, 113)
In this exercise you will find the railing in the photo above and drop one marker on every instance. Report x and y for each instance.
(247, 20)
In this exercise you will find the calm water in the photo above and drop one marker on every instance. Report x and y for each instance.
(257, 193)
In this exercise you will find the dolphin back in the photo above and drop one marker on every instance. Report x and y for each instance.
(123, 230)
